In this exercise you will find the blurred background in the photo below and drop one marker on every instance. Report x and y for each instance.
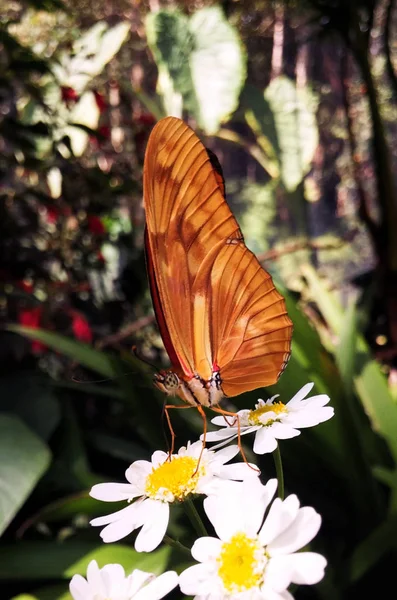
(298, 101)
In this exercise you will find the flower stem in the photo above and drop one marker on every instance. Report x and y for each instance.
(175, 544)
(279, 471)
(194, 517)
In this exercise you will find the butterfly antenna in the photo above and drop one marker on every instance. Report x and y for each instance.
(139, 356)
(76, 380)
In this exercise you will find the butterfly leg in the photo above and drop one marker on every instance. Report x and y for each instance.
(167, 407)
(204, 417)
(227, 413)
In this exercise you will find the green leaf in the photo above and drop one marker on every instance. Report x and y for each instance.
(386, 476)
(86, 114)
(200, 60)
(169, 39)
(346, 349)
(24, 459)
(38, 409)
(56, 560)
(294, 111)
(259, 214)
(373, 548)
(83, 354)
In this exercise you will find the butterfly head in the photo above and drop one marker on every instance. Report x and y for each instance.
(167, 381)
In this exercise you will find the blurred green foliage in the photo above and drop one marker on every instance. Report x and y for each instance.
(298, 100)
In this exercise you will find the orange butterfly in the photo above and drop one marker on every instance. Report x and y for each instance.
(223, 323)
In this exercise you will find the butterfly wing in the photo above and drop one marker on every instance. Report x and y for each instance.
(251, 330)
(186, 215)
(217, 308)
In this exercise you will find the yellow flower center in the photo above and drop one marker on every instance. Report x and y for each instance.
(256, 416)
(241, 563)
(174, 479)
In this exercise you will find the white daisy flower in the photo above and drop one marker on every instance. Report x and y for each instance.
(272, 420)
(252, 559)
(159, 483)
(111, 583)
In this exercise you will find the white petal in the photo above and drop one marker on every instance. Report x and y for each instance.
(239, 471)
(121, 524)
(285, 595)
(223, 456)
(299, 533)
(278, 574)
(229, 421)
(206, 548)
(117, 531)
(219, 434)
(126, 513)
(282, 431)
(158, 458)
(158, 587)
(79, 588)
(268, 593)
(216, 486)
(113, 492)
(137, 580)
(192, 449)
(155, 516)
(198, 580)
(95, 580)
(281, 515)
(303, 392)
(314, 402)
(264, 441)
(114, 578)
(242, 510)
(308, 567)
(300, 567)
(137, 472)
(310, 418)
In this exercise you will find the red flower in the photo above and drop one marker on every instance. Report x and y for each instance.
(80, 327)
(104, 131)
(100, 101)
(25, 286)
(146, 118)
(52, 215)
(69, 95)
(31, 318)
(102, 138)
(95, 225)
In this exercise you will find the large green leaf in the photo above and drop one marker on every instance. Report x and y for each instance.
(373, 548)
(24, 459)
(86, 355)
(294, 112)
(218, 66)
(200, 60)
(89, 55)
(260, 118)
(55, 560)
(370, 382)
